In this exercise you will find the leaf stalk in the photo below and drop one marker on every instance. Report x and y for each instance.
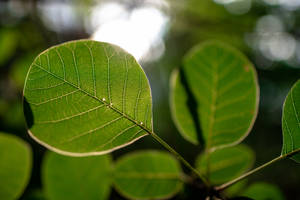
(281, 157)
(179, 157)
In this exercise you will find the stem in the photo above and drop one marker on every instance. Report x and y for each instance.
(281, 157)
(188, 165)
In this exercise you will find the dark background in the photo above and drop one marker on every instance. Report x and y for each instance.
(159, 33)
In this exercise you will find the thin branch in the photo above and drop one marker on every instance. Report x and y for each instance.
(187, 164)
(281, 157)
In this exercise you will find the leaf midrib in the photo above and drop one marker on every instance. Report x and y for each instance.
(213, 105)
(226, 164)
(147, 175)
(96, 98)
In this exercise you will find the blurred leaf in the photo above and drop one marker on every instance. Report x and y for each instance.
(226, 164)
(224, 84)
(13, 116)
(8, 44)
(291, 122)
(147, 175)
(235, 189)
(86, 97)
(181, 114)
(71, 178)
(263, 191)
(241, 198)
(3, 106)
(15, 166)
(20, 68)
(206, 10)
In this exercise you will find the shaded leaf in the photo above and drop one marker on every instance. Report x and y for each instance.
(13, 115)
(15, 166)
(224, 83)
(20, 68)
(147, 175)
(291, 122)
(87, 98)
(71, 178)
(263, 191)
(181, 114)
(35, 194)
(226, 164)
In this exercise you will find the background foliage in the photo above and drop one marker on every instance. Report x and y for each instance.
(267, 33)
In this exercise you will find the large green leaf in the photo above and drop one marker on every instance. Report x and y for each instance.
(72, 178)
(224, 84)
(263, 191)
(147, 175)
(87, 98)
(291, 122)
(15, 166)
(226, 164)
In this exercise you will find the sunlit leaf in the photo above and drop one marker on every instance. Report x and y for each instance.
(15, 166)
(86, 97)
(291, 122)
(147, 175)
(72, 178)
(263, 191)
(225, 87)
(182, 116)
(226, 164)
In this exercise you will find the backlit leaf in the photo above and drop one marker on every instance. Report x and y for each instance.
(291, 122)
(224, 84)
(15, 166)
(87, 98)
(182, 116)
(235, 189)
(263, 191)
(147, 175)
(226, 164)
(72, 178)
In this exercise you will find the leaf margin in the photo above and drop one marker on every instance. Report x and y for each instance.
(73, 154)
(202, 45)
(152, 151)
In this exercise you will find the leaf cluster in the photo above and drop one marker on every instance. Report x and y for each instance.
(86, 98)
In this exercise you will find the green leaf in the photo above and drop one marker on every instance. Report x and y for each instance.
(8, 44)
(235, 189)
(147, 175)
(226, 164)
(181, 114)
(224, 84)
(87, 98)
(263, 191)
(20, 68)
(72, 178)
(15, 166)
(291, 122)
